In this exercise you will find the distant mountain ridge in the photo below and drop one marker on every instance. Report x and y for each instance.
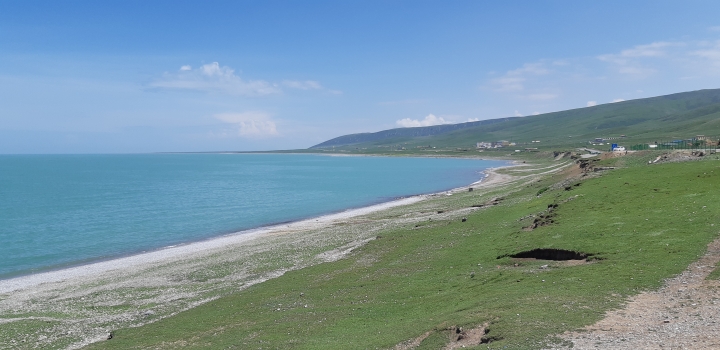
(663, 117)
(405, 132)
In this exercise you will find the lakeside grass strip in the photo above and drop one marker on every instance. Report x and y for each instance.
(641, 224)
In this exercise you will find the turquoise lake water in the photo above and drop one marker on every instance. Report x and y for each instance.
(61, 210)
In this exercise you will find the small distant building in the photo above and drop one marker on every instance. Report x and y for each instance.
(496, 144)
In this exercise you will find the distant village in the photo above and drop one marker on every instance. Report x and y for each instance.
(502, 144)
(699, 141)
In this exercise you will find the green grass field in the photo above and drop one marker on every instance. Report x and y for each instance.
(639, 225)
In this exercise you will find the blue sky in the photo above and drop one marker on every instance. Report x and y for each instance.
(154, 76)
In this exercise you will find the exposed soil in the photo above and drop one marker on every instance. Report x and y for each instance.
(458, 338)
(412, 343)
(683, 314)
(549, 254)
(545, 218)
(681, 156)
(494, 201)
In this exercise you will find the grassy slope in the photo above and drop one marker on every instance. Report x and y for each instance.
(682, 115)
(645, 223)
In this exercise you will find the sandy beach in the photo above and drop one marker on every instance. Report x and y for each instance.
(83, 304)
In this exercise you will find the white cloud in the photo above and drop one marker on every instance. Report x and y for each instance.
(637, 71)
(714, 29)
(530, 68)
(185, 68)
(508, 83)
(535, 113)
(618, 100)
(652, 68)
(254, 124)
(517, 114)
(213, 77)
(214, 70)
(513, 80)
(431, 120)
(628, 61)
(302, 85)
(649, 50)
(711, 53)
(428, 121)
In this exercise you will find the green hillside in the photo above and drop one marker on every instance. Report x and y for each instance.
(406, 133)
(663, 118)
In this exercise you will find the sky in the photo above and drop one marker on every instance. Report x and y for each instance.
(193, 76)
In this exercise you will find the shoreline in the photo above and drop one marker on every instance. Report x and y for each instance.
(77, 306)
(178, 251)
(467, 156)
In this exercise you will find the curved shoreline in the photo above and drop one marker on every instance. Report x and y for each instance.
(176, 251)
(179, 251)
(79, 226)
(84, 304)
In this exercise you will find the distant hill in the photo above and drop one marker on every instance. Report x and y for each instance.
(405, 133)
(664, 117)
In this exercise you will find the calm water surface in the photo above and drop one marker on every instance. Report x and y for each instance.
(58, 210)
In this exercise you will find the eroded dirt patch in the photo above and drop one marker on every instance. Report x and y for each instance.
(461, 338)
(543, 219)
(458, 337)
(549, 254)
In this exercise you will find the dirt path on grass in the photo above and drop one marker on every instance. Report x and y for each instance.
(683, 314)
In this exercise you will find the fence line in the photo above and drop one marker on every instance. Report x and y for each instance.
(710, 143)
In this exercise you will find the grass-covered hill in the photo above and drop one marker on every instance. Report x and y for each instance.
(661, 118)
(406, 133)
